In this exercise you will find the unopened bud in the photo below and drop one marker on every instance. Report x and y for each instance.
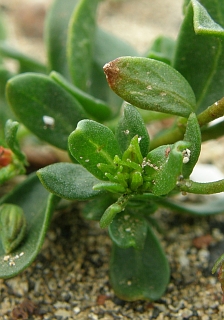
(5, 156)
(12, 226)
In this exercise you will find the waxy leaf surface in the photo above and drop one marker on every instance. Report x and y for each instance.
(81, 35)
(130, 125)
(69, 181)
(33, 96)
(38, 206)
(149, 84)
(192, 135)
(128, 230)
(96, 108)
(167, 163)
(56, 30)
(199, 55)
(139, 274)
(92, 143)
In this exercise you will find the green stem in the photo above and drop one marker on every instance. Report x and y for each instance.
(200, 187)
(216, 110)
(170, 135)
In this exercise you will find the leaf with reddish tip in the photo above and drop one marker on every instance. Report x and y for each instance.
(151, 85)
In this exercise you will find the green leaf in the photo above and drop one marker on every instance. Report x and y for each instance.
(110, 214)
(95, 208)
(166, 167)
(69, 181)
(81, 37)
(106, 48)
(202, 208)
(162, 49)
(192, 135)
(26, 63)
(128, 230)
(38, 206)
(203, 23)
(94, 107)
(33, 97)
(11, 128)
(199, 57)
(110, 186)
(12, 226)
(56, 30)
(3, 27)
(139, 274)
(130, 125)
(92, 143)
(149, 84)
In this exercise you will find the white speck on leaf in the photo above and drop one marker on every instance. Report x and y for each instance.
(186, 155)
(49, 122)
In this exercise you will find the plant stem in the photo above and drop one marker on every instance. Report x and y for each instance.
(170, 135)
(216, 110)
(200, 187)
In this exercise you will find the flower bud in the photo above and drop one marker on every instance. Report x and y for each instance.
(136, 180)
(5, 157)
(109, 214)
(12, 226)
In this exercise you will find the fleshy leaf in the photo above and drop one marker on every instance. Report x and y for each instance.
(130, 125)
(106, 48)
(81, 35)
(69, 181)
(11, 128)
(199, 57)
(162, 49)
(94, 107)
(166, 166)
(93, 143)
(139, 274)
(192, 135)
(12, 226)
(38, 206)
(148, 84)
(205, 208)
(34, 97)
(203, 23)
(56, 29)
(128, 230)
(95, 208)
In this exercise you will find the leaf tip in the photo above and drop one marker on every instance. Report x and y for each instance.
(111, 71)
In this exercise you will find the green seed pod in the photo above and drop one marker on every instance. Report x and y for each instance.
(12, 226)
